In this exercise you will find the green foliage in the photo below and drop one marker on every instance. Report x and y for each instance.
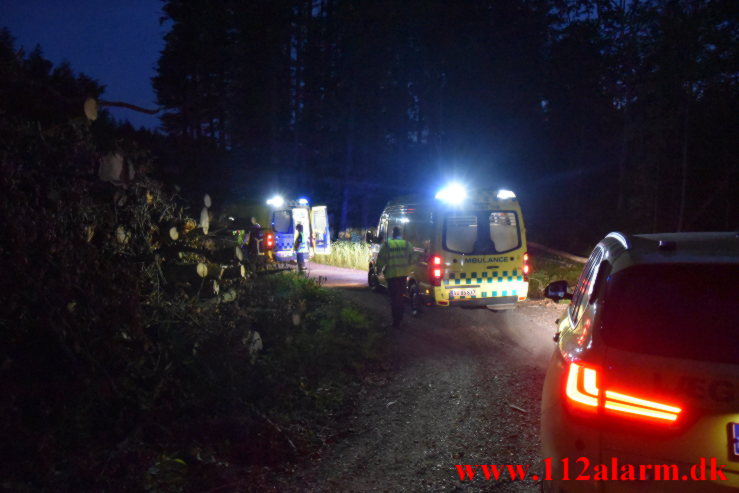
(547, 268)
(314, 340)
(117, 377)
(346, 254)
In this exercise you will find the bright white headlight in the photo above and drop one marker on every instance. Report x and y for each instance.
(276, 201)
(453, 193)
(506, 194)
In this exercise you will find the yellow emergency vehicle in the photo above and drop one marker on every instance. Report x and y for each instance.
(469, 248)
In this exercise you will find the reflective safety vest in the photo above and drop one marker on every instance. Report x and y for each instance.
(395, 257)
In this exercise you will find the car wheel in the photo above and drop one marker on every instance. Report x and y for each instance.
(416, 300)
(372, 281)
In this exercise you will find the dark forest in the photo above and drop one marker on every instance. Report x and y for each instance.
(601, 115)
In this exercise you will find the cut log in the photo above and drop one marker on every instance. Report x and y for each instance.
(228, 296)
(210, 289)
(204, 220)
(189, 225)
(91, 109)
(254, 342)
(111, 168)
(180, 273)
(227, 255)
(164, 237)
(208, 270)
(114, 169)
(225, 297)
(234, 272)
(121, 235)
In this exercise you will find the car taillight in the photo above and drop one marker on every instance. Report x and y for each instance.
(526, 266)
(436, 270)
(583, 392)
(269, 241)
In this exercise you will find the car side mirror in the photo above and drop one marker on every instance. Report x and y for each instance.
(557, 290)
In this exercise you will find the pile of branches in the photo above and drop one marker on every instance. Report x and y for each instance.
(139, 349)
(120, 308)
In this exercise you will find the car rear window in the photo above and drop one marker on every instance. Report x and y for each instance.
(676, 310)
(482, 232)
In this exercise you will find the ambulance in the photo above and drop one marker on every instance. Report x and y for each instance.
(285, 216)
(469, 248)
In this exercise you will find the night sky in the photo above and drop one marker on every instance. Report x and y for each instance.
(116, 43)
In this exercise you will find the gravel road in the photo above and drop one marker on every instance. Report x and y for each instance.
(455, 386)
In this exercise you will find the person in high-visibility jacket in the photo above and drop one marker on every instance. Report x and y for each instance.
(395, 259)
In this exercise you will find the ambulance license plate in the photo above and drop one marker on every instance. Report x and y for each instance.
(462, 292)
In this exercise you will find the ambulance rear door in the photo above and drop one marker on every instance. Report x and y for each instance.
(321, 234)
(301, 216)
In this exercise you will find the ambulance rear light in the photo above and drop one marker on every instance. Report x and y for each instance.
(583, 392)
(269, 241)
(526, 267)
(436, 270)
(506, 194)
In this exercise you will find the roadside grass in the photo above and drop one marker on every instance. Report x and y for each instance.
(547, 268)
(315, 343)
(346, 254)
(266, 407)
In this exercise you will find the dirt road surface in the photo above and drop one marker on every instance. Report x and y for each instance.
(456, 386)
